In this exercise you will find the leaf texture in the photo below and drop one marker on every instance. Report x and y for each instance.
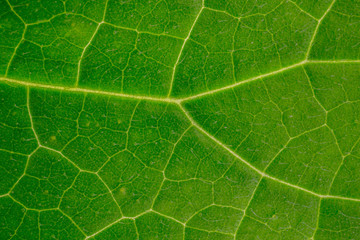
(180, 119)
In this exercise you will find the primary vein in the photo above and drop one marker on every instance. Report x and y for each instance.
(168, 99)
(83, 90)
(263, 174)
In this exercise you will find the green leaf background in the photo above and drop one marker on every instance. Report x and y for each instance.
(180, 119)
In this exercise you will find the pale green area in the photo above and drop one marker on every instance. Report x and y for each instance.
(180, 119)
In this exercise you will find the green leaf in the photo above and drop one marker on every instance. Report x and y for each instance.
(180, 119)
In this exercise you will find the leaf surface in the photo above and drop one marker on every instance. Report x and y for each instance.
(180, 119)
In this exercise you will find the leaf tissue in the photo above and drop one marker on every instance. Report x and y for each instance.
(180, 119)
